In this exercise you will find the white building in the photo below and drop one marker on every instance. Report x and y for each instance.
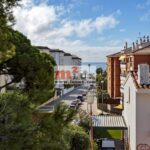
(58, 56)
(137, 109)
(65, 62)
(76, 60)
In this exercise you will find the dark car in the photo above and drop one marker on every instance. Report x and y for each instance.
(80, 97)
(73, 106)
(84, 94)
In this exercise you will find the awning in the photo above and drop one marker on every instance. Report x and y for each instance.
(120, 106)
(122, 57)
(109, 122)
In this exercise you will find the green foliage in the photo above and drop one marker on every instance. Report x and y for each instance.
(7, 48)
(111, 134)
(35, 69)
(6, 14)
(16, 127)
(101, 76)
(18, 131)
(78, 138)
(84, 120)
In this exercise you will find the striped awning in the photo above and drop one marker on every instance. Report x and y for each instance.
(109, 122)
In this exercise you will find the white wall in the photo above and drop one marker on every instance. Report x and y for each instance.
(143, 118)
(44, 51)
(129, 112)
(76, 62)
(59, 57)
(68, 60)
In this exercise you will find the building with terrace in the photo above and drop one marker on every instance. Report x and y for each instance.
(129, 80)
(123, 62)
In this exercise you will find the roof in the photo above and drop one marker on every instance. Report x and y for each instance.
(114, 55)
(109, 122)
(134, 77)
(57, 50)
(75, 57)
(137, 85)
(67, 54)
(130, 50)
(42, 47)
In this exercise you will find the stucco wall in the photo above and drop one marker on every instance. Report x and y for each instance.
(129, 112)
(143, 118)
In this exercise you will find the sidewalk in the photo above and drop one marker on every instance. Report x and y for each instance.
(95, 111)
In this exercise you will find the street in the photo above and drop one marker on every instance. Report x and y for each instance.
(68, 98)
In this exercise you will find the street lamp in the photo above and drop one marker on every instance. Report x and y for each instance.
(89, 67)
(102, 82)
(90, 101)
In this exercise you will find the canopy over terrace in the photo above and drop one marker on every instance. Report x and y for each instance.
(109, 122)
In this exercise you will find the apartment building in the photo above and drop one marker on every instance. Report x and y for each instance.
(65, 62)
(129, 77)
(113, 75)
(121, 63)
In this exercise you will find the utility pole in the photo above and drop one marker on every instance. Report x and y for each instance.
(102, 95)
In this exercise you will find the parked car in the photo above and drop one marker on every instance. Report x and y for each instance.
(80, 97)
(79, 101)
(73, 106)
(84, 94)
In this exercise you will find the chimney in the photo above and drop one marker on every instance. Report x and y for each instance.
(137, 44)
(143, 74)
(141, 41)
(133, 46)
(147, 38)
(144, 40)
(126, 45)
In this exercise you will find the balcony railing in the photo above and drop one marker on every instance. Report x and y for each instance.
(123, 75)
(123, 62)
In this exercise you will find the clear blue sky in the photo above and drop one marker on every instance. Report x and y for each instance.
(90, 29)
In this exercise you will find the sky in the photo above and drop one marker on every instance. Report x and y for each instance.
(90, 29)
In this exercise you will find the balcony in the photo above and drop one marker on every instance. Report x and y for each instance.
(122, 78)
(123, 75)
(123, 65)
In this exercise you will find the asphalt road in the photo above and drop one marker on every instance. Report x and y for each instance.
(67, 99)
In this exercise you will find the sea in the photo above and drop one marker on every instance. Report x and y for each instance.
(93, 66)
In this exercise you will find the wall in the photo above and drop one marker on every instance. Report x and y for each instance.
(59, 57)
(116, 77)
(138, 59)
(68, 60)
(110, 76)
(129, 112)
(143, 118)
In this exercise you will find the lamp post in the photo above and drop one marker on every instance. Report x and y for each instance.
(90, 101)
(89, 67)
(102, 82)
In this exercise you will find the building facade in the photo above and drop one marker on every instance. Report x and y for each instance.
(136, 111)
(121, 63)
